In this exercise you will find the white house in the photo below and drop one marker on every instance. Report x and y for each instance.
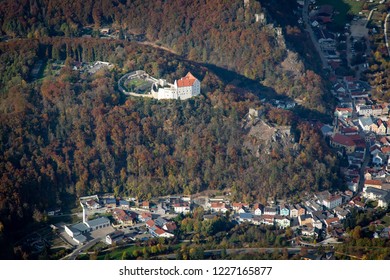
(332, 201)
(218, 207)
(114, 237)
(182, 207)
(282, 222)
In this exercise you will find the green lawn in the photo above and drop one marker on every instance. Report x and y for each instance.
(342, 9)
(138, 86)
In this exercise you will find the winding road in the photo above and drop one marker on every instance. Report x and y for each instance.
(386, 32)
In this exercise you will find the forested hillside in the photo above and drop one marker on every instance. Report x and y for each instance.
(219, 32)
(74, 134)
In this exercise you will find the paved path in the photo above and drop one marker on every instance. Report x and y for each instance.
(386, 32)
(308, 28)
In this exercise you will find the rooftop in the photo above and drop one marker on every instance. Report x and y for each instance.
(186, 81)
(98, 221)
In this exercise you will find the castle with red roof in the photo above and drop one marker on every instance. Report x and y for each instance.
(182, 89)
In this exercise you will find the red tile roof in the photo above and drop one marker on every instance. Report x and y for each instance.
(159, 231)
(186, 81)
(343, 140)
(373, 182)
(150, 223)
(217, 205)
(340, 109)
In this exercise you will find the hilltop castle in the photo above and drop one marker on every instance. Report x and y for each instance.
(185, 88)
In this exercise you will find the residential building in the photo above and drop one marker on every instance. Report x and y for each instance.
(144, 217)
(270, 211)
(182, 207)
(368, 124)
(364, 110)
(301, 209)
(218, 207)
(245, 217)
(332, 221)
(332, 201)
(284, 210)
(110, 202)
(305, 220)
(373, 184)
(145, 205)
(114, 237)
(267, 219)
(123, 217)
(293, 212)
(343, 141)
(124, 204)
(281, 221)
(343, 112)
(258, 209)
(92, 204)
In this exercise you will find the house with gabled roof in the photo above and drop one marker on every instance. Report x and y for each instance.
(343, 141)
(305, 220)
(284, 210)
(182, 207)
(218, 207)
(368, 124)
(123, 217)
(281, 221)
(258, 209)
(145, 205)
(145, 216)
(332, 221)
(267, 219)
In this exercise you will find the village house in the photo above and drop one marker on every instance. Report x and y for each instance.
(281, 221)
(342, 141)
(170, 227)
(305, 220)
(182, 207)
(92, 204)
(377, 110)
(284, 210)
(124, 204)
(382, 127)
(114, 237)
(301, 209)
(368, 124)
(374, 194)
(293, 212)
(218, 207)
(239, 207)
(145, 205)
(343, 112)
(353, 184)
(110, 202)
(331, 221)
(267, 219)
(270, 211)
(245, 217)
(144, 217)
(257, 209)
(364, 110)
(124, 218)
(373, 184)
(332, 201)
